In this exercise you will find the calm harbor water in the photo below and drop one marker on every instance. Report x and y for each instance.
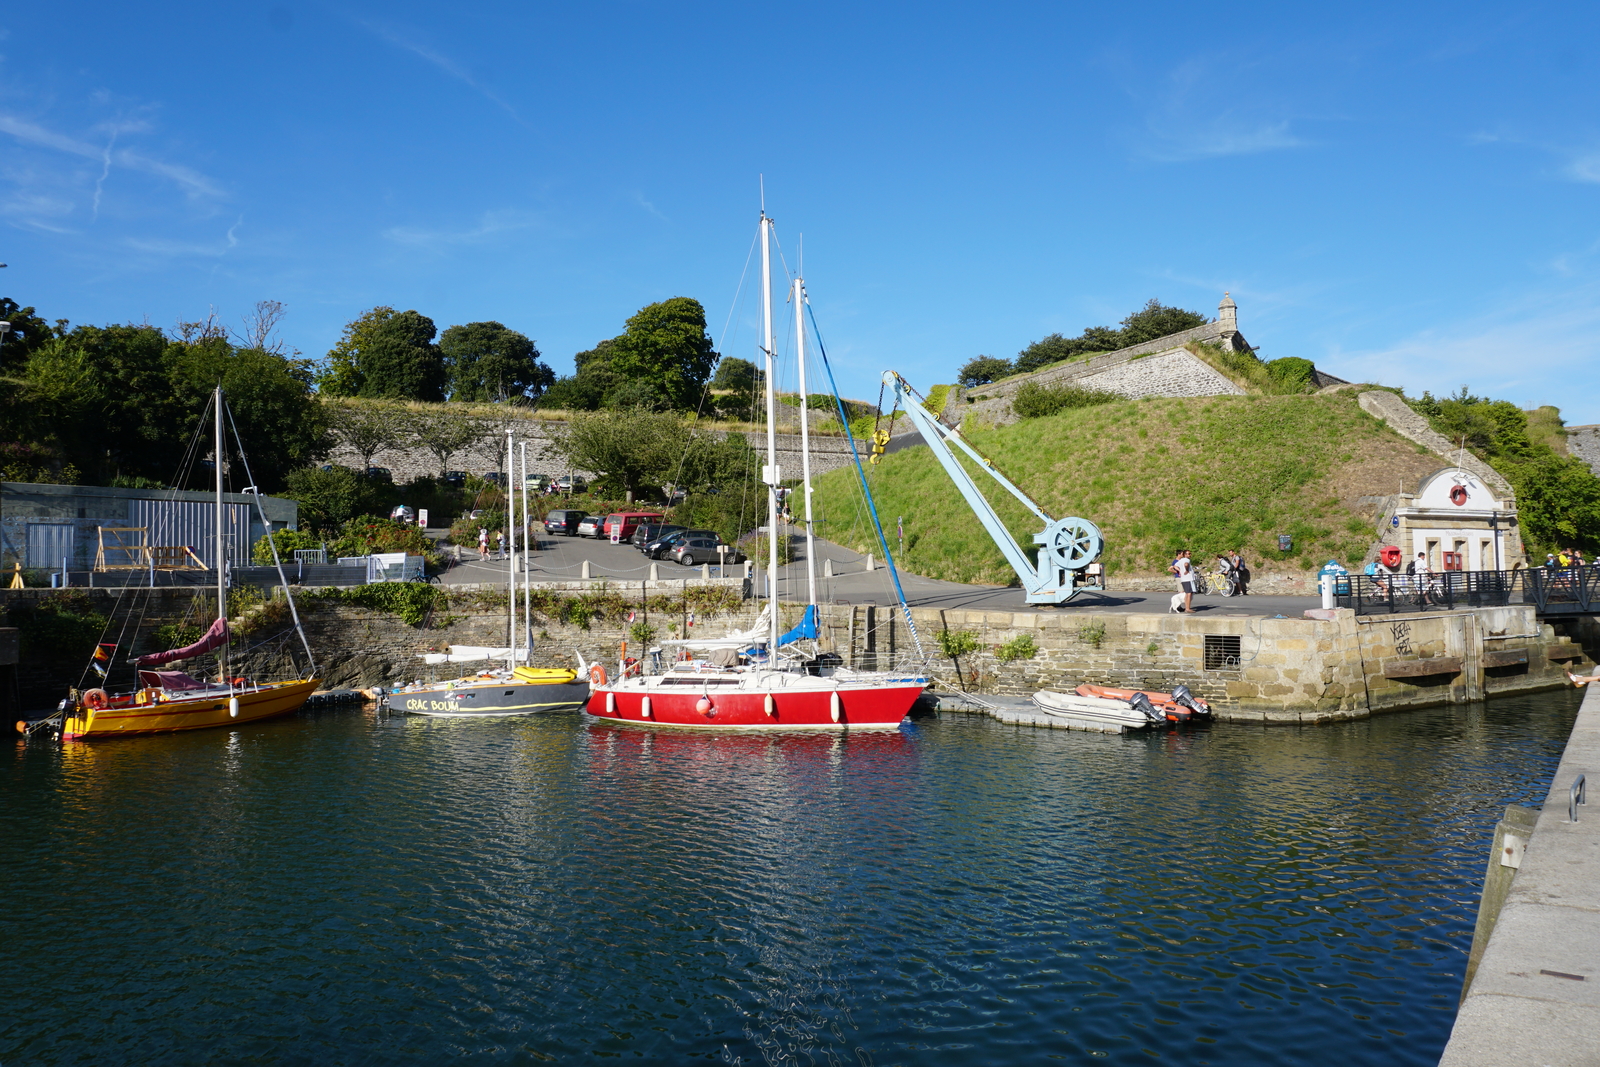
(332, 890)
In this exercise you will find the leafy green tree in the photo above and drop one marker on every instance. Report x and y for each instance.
(490, 361)
(736, 375)
(1155, 320)
(628, 450)
(1054, 348)
(28, 331)
(386, 353)
(281, 424)
(328, 498)
(981, 370)
(666, 344)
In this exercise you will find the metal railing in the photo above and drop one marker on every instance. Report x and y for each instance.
(1563, 590)
(1438, 591)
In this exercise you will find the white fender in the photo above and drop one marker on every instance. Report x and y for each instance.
(233, 707)
(644, 708)
(772, 707)
(836, 706)
(611, 703)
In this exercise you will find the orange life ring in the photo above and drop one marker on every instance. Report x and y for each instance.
(597, 674)
(1458, 495)
(96, 699)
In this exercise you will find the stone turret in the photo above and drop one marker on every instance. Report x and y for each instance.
(1228, 324)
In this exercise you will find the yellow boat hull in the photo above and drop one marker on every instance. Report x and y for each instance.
(198, 713)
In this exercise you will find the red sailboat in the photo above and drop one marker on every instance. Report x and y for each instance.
(748, 681)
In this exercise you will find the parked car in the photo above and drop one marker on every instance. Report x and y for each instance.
(495, 478)
(693, 551)
(455, 479)
(571, 483)
(590, 525)
(564, 521)
(380, 474)
(537, 483)
(403, 513)
(646, 532)
(621, 524)
(662, 545)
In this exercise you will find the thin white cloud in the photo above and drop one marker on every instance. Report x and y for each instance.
(491, 225)
(1584, 168)
(1205, 108)
(191, 181)
(1541, 351)
(638, 198)
(1223, 136)
(442, 62)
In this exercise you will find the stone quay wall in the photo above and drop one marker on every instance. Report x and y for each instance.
(1291, 670)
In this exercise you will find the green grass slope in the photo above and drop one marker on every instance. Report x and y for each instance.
(1155, 475)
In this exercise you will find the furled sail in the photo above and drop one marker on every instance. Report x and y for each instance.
(214, 639)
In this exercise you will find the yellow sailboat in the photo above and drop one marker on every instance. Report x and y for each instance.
(168, 700)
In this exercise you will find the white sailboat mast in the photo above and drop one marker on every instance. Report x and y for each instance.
(511, 546)
(222, 565)
(527, 562)
(805, 437)
(770, 475)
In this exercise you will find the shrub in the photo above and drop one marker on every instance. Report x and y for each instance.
(1291, 374)
(287, 541)
(1093, 633)
(756, 550)
(1020, 647)
(1034, 400)
(956, 643)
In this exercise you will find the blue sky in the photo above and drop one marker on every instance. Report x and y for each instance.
(1403, 195)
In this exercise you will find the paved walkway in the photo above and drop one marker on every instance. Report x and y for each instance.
(562, 558)
(1535, 1000)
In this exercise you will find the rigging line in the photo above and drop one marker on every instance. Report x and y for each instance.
(739, 291)
(271, 542)
(883, 541)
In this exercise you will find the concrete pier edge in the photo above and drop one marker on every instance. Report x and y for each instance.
(1535, 997)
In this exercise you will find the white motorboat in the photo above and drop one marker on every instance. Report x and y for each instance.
(1101, 711)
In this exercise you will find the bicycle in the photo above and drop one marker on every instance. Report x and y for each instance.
(1223, 583)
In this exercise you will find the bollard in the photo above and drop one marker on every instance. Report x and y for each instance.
(705, 572)
(827, 567)
(655, 572)
(585, 572)
(869, 562)
(1327, 590)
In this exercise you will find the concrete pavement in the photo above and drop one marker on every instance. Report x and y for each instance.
(562, 558)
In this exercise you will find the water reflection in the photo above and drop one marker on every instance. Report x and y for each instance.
(332, 889)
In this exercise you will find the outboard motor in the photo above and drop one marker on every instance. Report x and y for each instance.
(1182, 696)
(1142, 703)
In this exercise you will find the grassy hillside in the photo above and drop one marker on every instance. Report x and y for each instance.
(1206, 473)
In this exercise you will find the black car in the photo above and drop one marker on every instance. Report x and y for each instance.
(564, 521)
(646, 532)
(455, 479)
(659, 548)
(380, 474)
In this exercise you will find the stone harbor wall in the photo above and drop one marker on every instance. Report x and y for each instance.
(1289, 670)
(1584, 442)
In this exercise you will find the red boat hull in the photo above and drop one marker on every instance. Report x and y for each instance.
(876, 707)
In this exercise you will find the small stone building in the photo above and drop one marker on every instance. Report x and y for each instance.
(1455, 510)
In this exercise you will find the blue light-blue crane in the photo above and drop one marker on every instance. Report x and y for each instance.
(1067, 547)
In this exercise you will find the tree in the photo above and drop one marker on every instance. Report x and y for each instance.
(735, 375)
(386, 353)
(627, 449)
(367, 429)
(328, 498)
(1053, 348)
(666, 344)
(489, 361)
(445, 432)
(28, 331)
(981, 370)
(1155, 320)
(281, 424)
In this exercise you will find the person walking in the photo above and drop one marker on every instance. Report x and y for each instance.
(1424, 579)
(500, 544)
(483, 543)
(1240, 574)
(1183, 569)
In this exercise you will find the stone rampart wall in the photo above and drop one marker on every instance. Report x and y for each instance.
(1584, 442)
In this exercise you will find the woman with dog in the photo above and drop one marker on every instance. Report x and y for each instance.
(1183, 569)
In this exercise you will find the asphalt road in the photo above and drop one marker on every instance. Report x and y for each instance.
(561, 558)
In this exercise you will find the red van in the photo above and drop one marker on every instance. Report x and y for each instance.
(619, 525)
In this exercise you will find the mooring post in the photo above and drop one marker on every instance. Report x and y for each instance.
(584, 573)
(1505, 856)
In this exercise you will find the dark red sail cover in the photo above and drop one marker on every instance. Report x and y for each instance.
(215, 638)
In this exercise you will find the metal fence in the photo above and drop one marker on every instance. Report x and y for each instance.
(1563, 590)
(1439, 591)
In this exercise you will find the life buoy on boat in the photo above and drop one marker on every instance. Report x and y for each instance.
(96, 699)
(597, 674)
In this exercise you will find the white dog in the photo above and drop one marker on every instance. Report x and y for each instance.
(1177, 604)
